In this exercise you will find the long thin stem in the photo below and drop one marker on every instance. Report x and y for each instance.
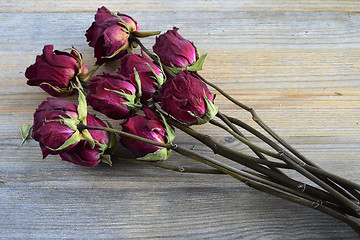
(243, 176)
(348, 185)
(245, 141)
(258, 183)
(171, 167)
(258, 120)
(234, 155)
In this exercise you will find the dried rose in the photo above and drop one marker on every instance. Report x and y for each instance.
(187, 99)
(54, 70)
(151, 76)
(110, 34)
(174, 50)
(55, 127)
(150, 127)
(114, 95)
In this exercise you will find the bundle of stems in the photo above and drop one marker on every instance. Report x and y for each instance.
(264, 171)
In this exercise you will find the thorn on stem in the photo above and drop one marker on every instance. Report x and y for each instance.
(301, 187)
(317, 203)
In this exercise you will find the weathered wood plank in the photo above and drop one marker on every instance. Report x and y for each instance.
(296, 63)
(181, 6)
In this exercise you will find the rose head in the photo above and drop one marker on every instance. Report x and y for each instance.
(187, 99)
(109, 35)
(174, 50)
(149, 127)
(54, 70)
(55, 128)
(113, 95)
(150, 74)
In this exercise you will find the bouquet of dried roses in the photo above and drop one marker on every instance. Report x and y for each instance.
(151, 94)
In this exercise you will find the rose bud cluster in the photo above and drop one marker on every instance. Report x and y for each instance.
(110, 35)
(55, 127)
(187, 99)
(149, 127)
(150, 75)
(53, 71)
(114, 95)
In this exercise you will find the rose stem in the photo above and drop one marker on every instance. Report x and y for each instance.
(171, 167)
(272, 154)
(258, 120)
(297, 167)
(238, 157)
(240, 175)
(252, 181)
(245, 141)
(237, 131)
(348, 185)
(230, 170)
(165, 145)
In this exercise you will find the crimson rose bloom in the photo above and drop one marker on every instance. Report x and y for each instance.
(150, 74)
(110, 33)
(55, 123)
(150, 127)
(113, 95)
(187, 99)
(174, 50)
(54, 70)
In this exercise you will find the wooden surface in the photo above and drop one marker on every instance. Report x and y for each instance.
(296, 63)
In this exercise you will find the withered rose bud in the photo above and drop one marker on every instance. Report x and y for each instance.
(110, 35)
(187, 99)
(149, 127)
(55, 127)
(174, 50)
(114, 95)
(53, 71)
(151, 76)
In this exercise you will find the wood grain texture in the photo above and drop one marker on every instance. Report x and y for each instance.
(297, 64)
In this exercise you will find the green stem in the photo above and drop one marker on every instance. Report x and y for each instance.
(171, 167)
(262, 184)
(346, 184)
(258, 120)
(249, 162)
(245, 141)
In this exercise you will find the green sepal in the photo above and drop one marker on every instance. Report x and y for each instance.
(25, 132)
(138, 82)
(159, 155)
(125, 46)
(123, 23)
(159, 80)
(62, 91)
(211, 111)
(85, 77)
(169, 130)
(112, 142)
(144, 34)
(82, 107)
(101, 147)
(106, 158)
(129, 97)
(198, 65)
(176, 70)
(132, 100)
(75, 138)
(70, 122)
(87, 136)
